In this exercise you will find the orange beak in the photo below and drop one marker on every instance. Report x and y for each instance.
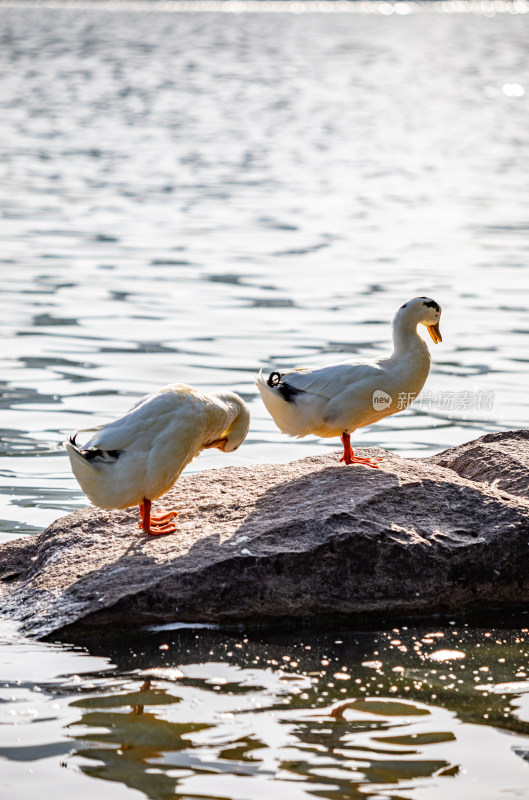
(435, 333)
(220, 444)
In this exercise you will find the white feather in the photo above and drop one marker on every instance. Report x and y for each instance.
(152, 443)
(338, 398)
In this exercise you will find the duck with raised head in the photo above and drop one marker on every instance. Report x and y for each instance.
(138, 457)
(337, 399)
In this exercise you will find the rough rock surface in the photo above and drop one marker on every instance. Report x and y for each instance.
(498, 459)
(300, 540)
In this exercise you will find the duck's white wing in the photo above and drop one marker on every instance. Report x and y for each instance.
(332, 380)
(155, 413)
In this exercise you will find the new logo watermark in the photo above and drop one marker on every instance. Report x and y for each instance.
(381, 400)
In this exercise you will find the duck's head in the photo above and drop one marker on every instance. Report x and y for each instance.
(235, 433)
(422, 311)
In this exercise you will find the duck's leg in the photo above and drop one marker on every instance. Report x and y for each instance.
(348, 455)
(155, 525)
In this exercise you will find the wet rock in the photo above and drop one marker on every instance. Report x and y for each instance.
(304, 540)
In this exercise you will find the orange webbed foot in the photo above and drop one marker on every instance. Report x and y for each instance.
(156, 524)
(349, 456)
(367, 462)
(165, 517)
(160, 530)
(161, 519)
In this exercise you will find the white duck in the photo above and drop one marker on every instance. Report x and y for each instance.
(337, 399)
(139, 456)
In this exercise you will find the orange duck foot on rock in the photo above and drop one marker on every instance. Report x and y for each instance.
(349, 456)
(155, 524)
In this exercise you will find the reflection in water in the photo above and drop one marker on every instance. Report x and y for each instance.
(329, 715)
(128, 744)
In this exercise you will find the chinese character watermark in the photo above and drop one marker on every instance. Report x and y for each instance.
(438, 401)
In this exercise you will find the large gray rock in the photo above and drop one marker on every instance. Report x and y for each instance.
(301, 540)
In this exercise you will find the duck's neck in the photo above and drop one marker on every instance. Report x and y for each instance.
(406, 340)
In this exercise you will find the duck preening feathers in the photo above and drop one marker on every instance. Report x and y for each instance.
(138, 457)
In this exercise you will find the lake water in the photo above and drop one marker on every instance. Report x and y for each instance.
(190, 197)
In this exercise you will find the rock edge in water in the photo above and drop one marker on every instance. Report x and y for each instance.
(303, 540)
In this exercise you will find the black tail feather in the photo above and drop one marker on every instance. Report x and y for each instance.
(287, 392)
(94, 453)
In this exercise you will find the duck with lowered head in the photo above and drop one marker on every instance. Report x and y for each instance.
(337, 399)
(138, 457)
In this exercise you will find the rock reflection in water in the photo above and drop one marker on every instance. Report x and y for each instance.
(335, 716)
